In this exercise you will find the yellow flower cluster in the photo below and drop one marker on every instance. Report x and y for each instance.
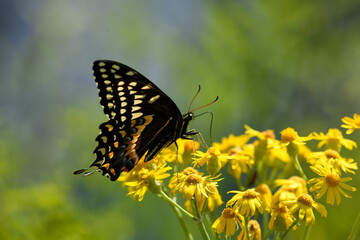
(267, 171)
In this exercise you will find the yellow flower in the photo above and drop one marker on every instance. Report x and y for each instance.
(228, 221)
(247, 202)
(213, 201)
(304, 153)
(276, 156)
(333, 158)
(214, 198)
(254, 231)
(329, 182)
(265, 135)
(291, 140)
(148, 179)
(182, 153)
(284, 193)
(240, 160)
(263, 150)
(213, 158)
(192, 184)
(231, 142)
(334, 140)
(289, 135)
(280, 219)
(297, 184)
(303, 205)
(351, 123)
(133, 175)
(290, 188)
(265, 193)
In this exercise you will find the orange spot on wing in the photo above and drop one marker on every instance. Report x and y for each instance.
(148, 119)
(110, 127)
(116, 144)
(106, 165)
(140, 128)
(111, 155)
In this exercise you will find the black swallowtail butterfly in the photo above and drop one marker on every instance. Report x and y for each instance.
(141, 119)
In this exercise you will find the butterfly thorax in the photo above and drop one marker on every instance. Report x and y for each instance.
(186, 119)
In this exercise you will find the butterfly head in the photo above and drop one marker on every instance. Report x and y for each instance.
(188, 117)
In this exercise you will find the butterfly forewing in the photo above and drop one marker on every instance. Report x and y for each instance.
(141, 118)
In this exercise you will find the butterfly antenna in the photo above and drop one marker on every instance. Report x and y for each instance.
(194, 97)
(217, 97)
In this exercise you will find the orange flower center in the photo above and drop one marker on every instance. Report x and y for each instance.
(193, 179)
(288, 135)
(253, 225)
(190, 170)
(249, 194)
(282, 209)
(305, 199)
(228, 213)
(332, 179)
(332, 154)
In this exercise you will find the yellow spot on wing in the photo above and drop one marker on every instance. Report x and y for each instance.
(117, 67)
(139, 96)
(136, 102)
(136, 115)
(134, 108)
(153, 99)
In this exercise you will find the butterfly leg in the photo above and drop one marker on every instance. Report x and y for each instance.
(190, 133)
(199, 136)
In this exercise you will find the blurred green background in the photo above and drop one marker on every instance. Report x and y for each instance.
(273, 64)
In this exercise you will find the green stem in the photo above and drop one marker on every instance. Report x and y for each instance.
(248, 179)
(268, 234)
(307, 232)
(299, 168)
(288, 230)
(199, 220)
(355, 228)
(276, 236)
(265, 223)
(247, 228)
(182, 223)
(209, 224)
(239, 183)
(173, 203)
